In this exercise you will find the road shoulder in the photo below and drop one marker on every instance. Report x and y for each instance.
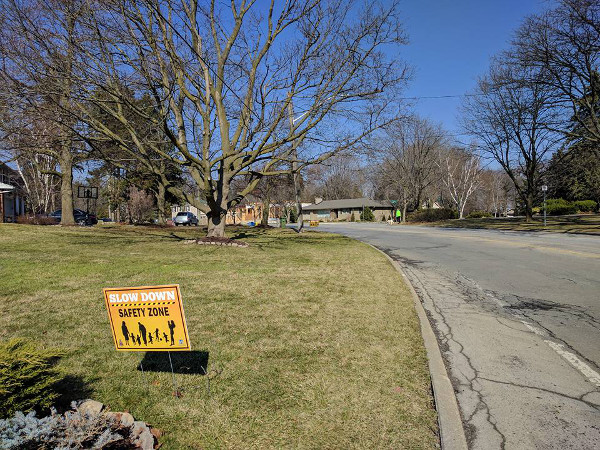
(452, 434)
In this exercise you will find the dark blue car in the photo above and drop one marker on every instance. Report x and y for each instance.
(81, 217)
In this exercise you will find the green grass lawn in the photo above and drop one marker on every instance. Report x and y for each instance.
(312, 339)
(588, 224)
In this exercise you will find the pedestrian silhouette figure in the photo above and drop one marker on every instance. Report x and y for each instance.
(165, 336)
(150, 337)
(143, 332)
(138, 340)
(125, 332)
(157, 337)
(172, 330)
(132, 338)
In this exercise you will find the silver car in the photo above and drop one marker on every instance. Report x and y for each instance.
(185, 218)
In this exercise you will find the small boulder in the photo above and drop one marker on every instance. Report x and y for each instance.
(138, 428)
(91, 407)
(127, 419)
(145, 441)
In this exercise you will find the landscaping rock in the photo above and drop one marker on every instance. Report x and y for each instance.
(138, 428)
(156, 433)
(91, 407)
(122, 418)
(127, 419)
(221, 242)
(145, 441)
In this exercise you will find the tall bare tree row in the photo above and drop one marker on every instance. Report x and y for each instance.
(541, 94)
(39, 51)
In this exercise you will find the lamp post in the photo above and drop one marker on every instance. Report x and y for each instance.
(544, 190)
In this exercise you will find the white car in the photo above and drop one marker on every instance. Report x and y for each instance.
(185, 218)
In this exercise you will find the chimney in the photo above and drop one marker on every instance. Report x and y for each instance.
(318, 200)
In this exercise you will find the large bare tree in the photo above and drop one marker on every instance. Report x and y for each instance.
(223, 78)
(460, 170)
(510, 115)
(564, 44)
(39, 49)
(409, 156)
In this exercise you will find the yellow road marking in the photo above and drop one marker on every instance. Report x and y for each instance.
(500, 241)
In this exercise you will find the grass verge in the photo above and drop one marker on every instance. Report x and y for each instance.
(582, 224)
(312, 340)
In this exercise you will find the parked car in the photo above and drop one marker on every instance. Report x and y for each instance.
(81, 217)
(185, 218)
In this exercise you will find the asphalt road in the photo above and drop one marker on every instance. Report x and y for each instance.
(517, 316)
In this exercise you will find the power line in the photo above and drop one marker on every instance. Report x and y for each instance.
(428, 97)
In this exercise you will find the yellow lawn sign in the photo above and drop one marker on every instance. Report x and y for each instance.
(147, 318)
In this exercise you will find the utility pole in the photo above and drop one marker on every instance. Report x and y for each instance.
(544, 190)
(295, 173)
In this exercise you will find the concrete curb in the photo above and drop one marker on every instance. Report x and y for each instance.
(452, 433)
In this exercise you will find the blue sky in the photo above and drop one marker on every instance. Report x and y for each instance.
(451, 43)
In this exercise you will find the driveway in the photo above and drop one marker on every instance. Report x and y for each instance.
(517, 316)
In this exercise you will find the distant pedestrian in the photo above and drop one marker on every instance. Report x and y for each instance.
(398, 216)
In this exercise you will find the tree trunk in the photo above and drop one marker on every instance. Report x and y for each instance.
(296, 176)
(299, 215)
(529, 207)
(66, 188)
(216, 225)
(265, 212)
(160, 205)
(404, 205)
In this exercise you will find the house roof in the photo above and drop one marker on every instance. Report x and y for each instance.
(6, 187)
(347, 203)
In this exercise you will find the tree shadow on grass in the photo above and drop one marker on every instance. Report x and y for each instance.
(194, 362)
(71, 388)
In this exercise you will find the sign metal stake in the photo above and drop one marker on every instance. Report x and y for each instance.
(144, 374)
(175, 391)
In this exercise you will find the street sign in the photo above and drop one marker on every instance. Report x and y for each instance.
(87, 192)
(544, 188)
(147, 318)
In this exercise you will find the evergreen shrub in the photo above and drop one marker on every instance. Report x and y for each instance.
(477, 214)
(28, 377)
(586, 205)
(73, 430)
(367, 215)
(559, 207)
(431, 215)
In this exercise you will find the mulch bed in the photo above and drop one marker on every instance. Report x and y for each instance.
(224, 242)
